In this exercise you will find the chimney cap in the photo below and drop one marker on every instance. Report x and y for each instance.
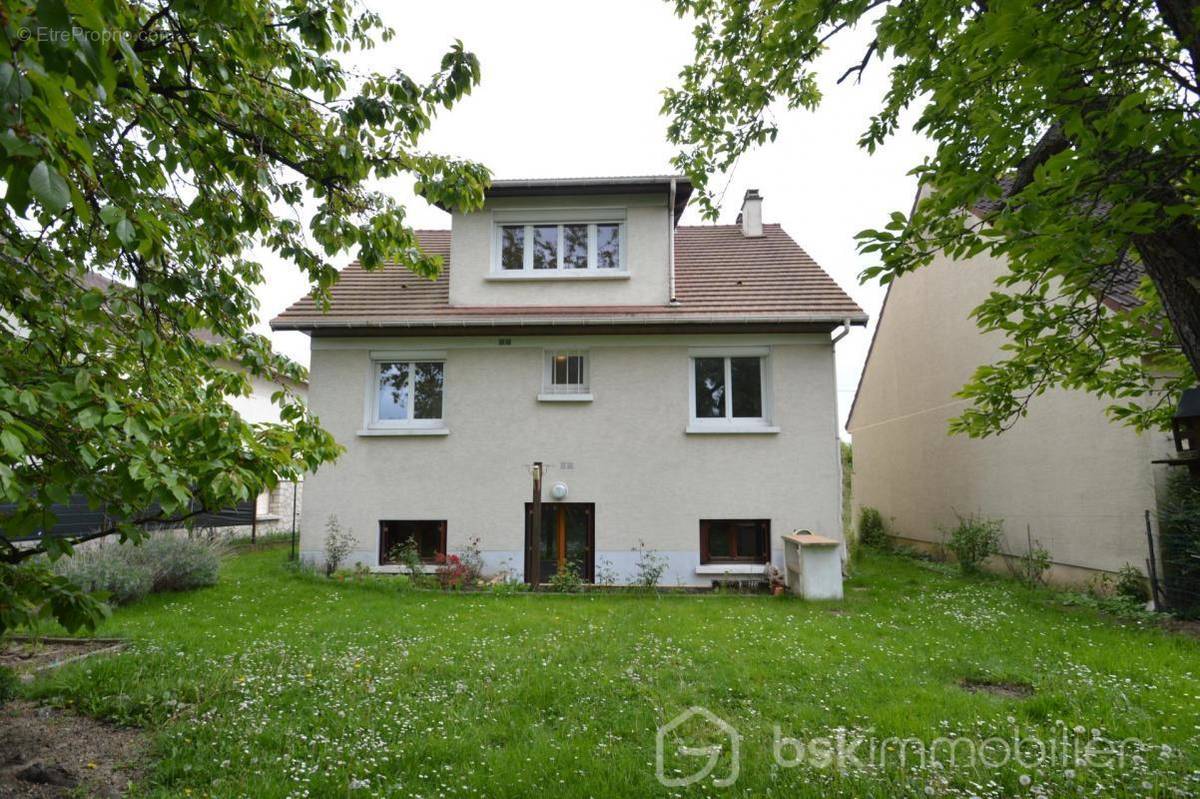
(752, 194)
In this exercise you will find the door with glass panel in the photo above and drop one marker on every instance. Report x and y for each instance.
(568, 538)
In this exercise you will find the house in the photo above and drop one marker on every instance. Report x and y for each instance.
(676, 382)
(276, 510)
(271, 511)
(1064, 477)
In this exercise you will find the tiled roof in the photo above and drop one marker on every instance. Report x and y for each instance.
(1116, 286)
(721, 277)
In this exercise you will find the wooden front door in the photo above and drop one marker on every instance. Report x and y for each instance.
(568, 536)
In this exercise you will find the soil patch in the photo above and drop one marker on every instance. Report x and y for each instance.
(46, 752)
(1007, 690)
(27, 655)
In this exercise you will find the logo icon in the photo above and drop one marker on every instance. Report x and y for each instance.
(711, 752)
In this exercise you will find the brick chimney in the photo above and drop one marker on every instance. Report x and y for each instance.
(751, 215)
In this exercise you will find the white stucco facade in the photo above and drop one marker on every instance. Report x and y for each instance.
(627, 450)
(694, 416)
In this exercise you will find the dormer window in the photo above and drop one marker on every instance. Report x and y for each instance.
(563, 247)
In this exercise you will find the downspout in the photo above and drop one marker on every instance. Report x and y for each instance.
(671, 246)
(837, 437)
(842, 335)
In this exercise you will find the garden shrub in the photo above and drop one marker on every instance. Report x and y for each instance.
(606, 573)
(180, 564)
(452, 573)
(1031, 566)
(1179, 545)
(1131, 583)
(339, 544)
(408, 555)
(973, 540)
(108, 569)
(871, 530)
(471, 558)
(128, 573)
(649, 567)
(566, 580)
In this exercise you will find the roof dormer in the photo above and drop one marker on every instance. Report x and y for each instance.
(565, 242)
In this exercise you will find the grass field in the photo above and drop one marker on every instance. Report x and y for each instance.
(277, 684)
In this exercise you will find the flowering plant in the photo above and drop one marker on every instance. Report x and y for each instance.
(452, 573)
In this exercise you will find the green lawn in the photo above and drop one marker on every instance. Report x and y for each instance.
(278, 684)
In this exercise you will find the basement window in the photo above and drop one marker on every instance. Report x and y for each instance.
(429, 536)
(735, 541)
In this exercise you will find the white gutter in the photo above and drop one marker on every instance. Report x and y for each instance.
(671, 245)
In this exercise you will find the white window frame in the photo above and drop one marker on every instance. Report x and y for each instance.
(730, 423)
(560, 218)
(571, 392)
(373, 425)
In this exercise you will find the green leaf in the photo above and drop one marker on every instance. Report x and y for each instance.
(11, 444)
(49, 187)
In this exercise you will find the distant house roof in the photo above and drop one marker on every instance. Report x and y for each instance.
(95, 280)
(1117, 288)
(723, 280)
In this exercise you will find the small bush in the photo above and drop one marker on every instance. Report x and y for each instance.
(472, 561)
(128, 573)
(973, 540)
(606, 573)
(452, 573)
(110, 570)
(180, 564)
(566, 580)
(1031, 566)
(871, 530)
(408, 555)
(339, 544)
(1131, 584)
(649, 567)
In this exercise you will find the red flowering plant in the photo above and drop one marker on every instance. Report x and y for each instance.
(452, 573)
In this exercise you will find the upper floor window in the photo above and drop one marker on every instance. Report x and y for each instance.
(568, 246)
(566, 373)
(729, 392)
(407, 393)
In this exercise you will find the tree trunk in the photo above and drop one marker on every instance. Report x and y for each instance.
(1171, 258)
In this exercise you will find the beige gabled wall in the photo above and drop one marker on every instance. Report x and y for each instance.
(1079, 481)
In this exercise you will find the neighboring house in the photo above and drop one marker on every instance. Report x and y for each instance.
(274, 510)
(677, 383)
(1065, 476)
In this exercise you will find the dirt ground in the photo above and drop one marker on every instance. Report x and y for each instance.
(46, 752)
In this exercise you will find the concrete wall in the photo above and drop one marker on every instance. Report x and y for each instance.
(1080, 482)
(646, 242)
(626, 451)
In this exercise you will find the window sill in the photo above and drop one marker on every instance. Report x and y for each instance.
(559, 274)
(732, 568)
(564, 397)
(404, 431)
(732, 429)
(396, 568)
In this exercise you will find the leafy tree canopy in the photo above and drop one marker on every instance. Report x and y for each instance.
(1072, 124)
(155, 142)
